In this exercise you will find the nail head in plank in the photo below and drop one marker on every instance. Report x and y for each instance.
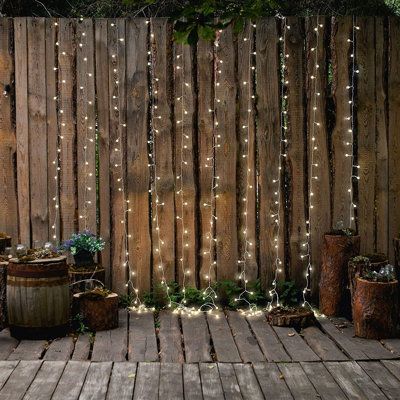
(248, 382)
(96, 382)
(323, 381)
(171, 384)
(247, 344)
(28, 350)
(221, 335)
(354, 382)
(295, 345)
(122, 381)
(60, 349)
(271, 381)
(297, 381)
(191, 382)
(170, 338)
(229, 382)
(210, 382)
(19, 380)
(142, 337)
(196, 338)
(71, 381)
(45, 381)
(267, 339)
(146, 373)
(322, 345)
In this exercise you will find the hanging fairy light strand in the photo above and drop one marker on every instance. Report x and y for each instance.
(248, 244)
(313, 146)
(276, 213)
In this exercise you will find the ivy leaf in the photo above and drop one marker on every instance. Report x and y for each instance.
(206, 32)
(238, 25)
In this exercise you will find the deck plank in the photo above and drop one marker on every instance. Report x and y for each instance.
(71, 382)
(247, 381)
(45, 381)
(355, 383)
(245, 341)
(196, 338)
(210, 382)
(122, 381)
(393, 366)
(192, 382)
(142, 337)
(19, 380)
(322, 345)
(112, 345)
(146, 373)
(295, 345)
(386, 382)
(268, 341)
(171, 381)
(224, 344)
(7, 344)
(96, 382)
(28, 350)
(393, 345)
(229, 381)
(323, 381)
(271, 381)
(170, 338)
(82, 348)
(297, 381)
(60, 349)
(6, 368)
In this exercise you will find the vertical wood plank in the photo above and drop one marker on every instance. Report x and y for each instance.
(268, 150)
(226, 157)
(66, 63)
(138, 178)
(52, 128)
(246, 167)
(86, 125)
(185, 192)
(341, 165)
(205, 121)
(394, 123)
(320, 215)
(163, 142)
(21, 103)
(117, 149)
(8, 196)
(103, 132)
(381, 195)
(37, 129)
(366, 131)
(295, 160)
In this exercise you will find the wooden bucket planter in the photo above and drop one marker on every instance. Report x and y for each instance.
(99, 314)
(77, 275)
(334, 297)
(4, 242)
(375, 309)
(38, 300)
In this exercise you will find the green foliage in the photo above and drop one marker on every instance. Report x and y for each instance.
(85, 240)
(289, 294)
(78, 324)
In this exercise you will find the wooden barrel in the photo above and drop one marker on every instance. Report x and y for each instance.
(38, 301)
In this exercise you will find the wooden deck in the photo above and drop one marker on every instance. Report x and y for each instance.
(223, 355)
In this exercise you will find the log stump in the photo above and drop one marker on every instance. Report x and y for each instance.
(334, 296)
(375, 309)
(296, 317)
(79, 277)
(99, 314)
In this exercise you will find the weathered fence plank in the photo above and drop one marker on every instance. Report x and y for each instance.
(8, 213)
(138, 177)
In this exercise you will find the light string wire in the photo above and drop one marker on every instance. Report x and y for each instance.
(313, 145)
(276, 214)
(354, 167)
(248, 84)
(118, 151)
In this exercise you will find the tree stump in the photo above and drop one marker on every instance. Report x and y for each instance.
(375, 309)
(99, 314)
(296, 317)
(334, 296)
(80, 277)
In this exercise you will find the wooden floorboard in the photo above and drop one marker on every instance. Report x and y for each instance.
(170, 338)
(6, 368)
(171, 382)
(147, 381)
(229, 381)
(7, 344)
(60, 349)
(96, 382)
(248, 383)
(122, 381)
(393, 366)
(82, 348)
(211, 382)
(191, 382)
(28, 350)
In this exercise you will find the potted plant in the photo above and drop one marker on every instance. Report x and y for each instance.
(376, 304)
(83, 247)
(339, 246)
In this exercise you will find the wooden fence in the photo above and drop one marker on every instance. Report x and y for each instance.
(44, 65)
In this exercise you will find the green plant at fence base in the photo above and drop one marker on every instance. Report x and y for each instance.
(289, 294)
(78, 324)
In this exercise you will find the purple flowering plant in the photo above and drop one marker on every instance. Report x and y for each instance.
(86, 241)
